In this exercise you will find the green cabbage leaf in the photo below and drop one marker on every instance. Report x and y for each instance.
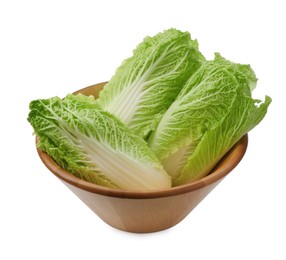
(94, 145)
(211, 113)
(145, 85)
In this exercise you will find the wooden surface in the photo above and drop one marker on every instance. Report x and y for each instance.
(140, 211)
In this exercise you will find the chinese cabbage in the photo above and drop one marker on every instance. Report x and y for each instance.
(94, 145)
(212, 112)
(145, 85)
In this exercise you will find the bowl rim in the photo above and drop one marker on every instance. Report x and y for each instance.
(229, 161)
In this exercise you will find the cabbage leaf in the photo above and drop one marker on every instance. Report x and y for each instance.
(212, 112)
(94, 145)
(145, 85)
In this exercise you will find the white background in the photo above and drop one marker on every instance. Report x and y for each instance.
(52, 48)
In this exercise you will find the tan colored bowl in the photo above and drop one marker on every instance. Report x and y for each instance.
(151, 211)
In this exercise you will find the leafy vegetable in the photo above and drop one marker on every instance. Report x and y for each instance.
(94, 145)
(212, 112)
(166, 117)
(146, 84)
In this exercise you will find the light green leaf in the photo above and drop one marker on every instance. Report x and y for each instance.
(94, 145)
(214, 105)
(145, 84)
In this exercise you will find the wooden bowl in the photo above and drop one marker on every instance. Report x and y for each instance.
(151, 211)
